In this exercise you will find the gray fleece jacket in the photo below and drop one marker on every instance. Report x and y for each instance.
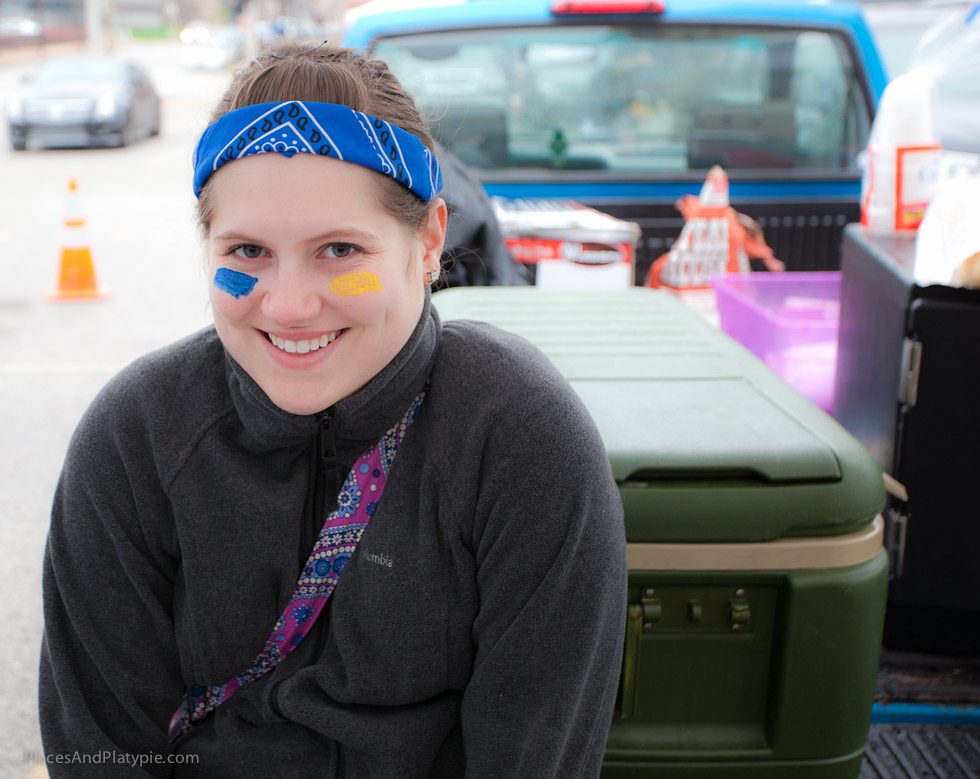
(476, 632)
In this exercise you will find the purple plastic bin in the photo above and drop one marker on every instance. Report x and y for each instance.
(790, 321)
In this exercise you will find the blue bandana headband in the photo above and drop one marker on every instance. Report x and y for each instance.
(318, 128)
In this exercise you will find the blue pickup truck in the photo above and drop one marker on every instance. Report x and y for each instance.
(624, 105)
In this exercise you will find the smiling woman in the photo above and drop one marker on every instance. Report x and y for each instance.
(330, 264)
(239, 570)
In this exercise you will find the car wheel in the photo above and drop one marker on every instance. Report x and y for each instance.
(155, 127)
(128, 133)
(18, 144)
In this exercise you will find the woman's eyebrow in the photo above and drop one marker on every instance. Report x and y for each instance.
(233, 235)
(344, 233)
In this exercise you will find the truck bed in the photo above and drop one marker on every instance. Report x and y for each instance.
(806, 235)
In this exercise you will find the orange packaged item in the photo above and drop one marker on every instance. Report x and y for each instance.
(567, 245)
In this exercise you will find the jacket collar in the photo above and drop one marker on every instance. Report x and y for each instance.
(362, 417)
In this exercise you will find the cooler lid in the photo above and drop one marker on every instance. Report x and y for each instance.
(706, 442)
(726, 428)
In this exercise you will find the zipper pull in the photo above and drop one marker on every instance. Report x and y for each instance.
(327, 445)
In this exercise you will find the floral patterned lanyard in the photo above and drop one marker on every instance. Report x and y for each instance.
(356, 502)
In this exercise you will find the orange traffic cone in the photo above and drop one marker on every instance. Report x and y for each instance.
(715, 240)
(76, 277)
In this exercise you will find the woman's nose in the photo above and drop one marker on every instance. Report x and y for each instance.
(293, 298)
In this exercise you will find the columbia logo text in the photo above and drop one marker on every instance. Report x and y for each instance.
(377, 559)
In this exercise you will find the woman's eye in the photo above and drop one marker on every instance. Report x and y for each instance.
(249, 251)
(340, 250)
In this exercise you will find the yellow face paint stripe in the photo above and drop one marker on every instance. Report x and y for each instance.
(355, 284)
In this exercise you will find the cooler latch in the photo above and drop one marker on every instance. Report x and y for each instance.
(652, 610)
(739, 613)
(908, 390)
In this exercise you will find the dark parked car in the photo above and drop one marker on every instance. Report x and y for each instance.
(89, 100)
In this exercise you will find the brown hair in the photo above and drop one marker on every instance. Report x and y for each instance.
(328, 74)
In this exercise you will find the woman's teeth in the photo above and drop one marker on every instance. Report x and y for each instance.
(304, 346)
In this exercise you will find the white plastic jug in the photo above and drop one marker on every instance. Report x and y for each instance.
(902, 157)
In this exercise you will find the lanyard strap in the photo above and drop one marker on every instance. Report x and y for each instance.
(356, 502)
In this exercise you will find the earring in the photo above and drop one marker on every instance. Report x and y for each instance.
(431, 276)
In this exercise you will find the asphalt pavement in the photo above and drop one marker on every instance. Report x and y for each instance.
(137, 206)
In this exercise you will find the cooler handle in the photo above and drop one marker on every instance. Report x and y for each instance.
(640, 618)
(631, 656)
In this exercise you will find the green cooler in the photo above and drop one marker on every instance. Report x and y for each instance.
(757, 577)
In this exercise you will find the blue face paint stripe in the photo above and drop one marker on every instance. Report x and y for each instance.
(234, 283)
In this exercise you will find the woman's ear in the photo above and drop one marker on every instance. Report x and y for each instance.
(433, 235)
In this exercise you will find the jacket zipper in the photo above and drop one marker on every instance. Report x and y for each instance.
(328, 457)
(326, 466)
(341, 761)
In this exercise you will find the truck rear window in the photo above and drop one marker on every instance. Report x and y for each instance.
(643, 99)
